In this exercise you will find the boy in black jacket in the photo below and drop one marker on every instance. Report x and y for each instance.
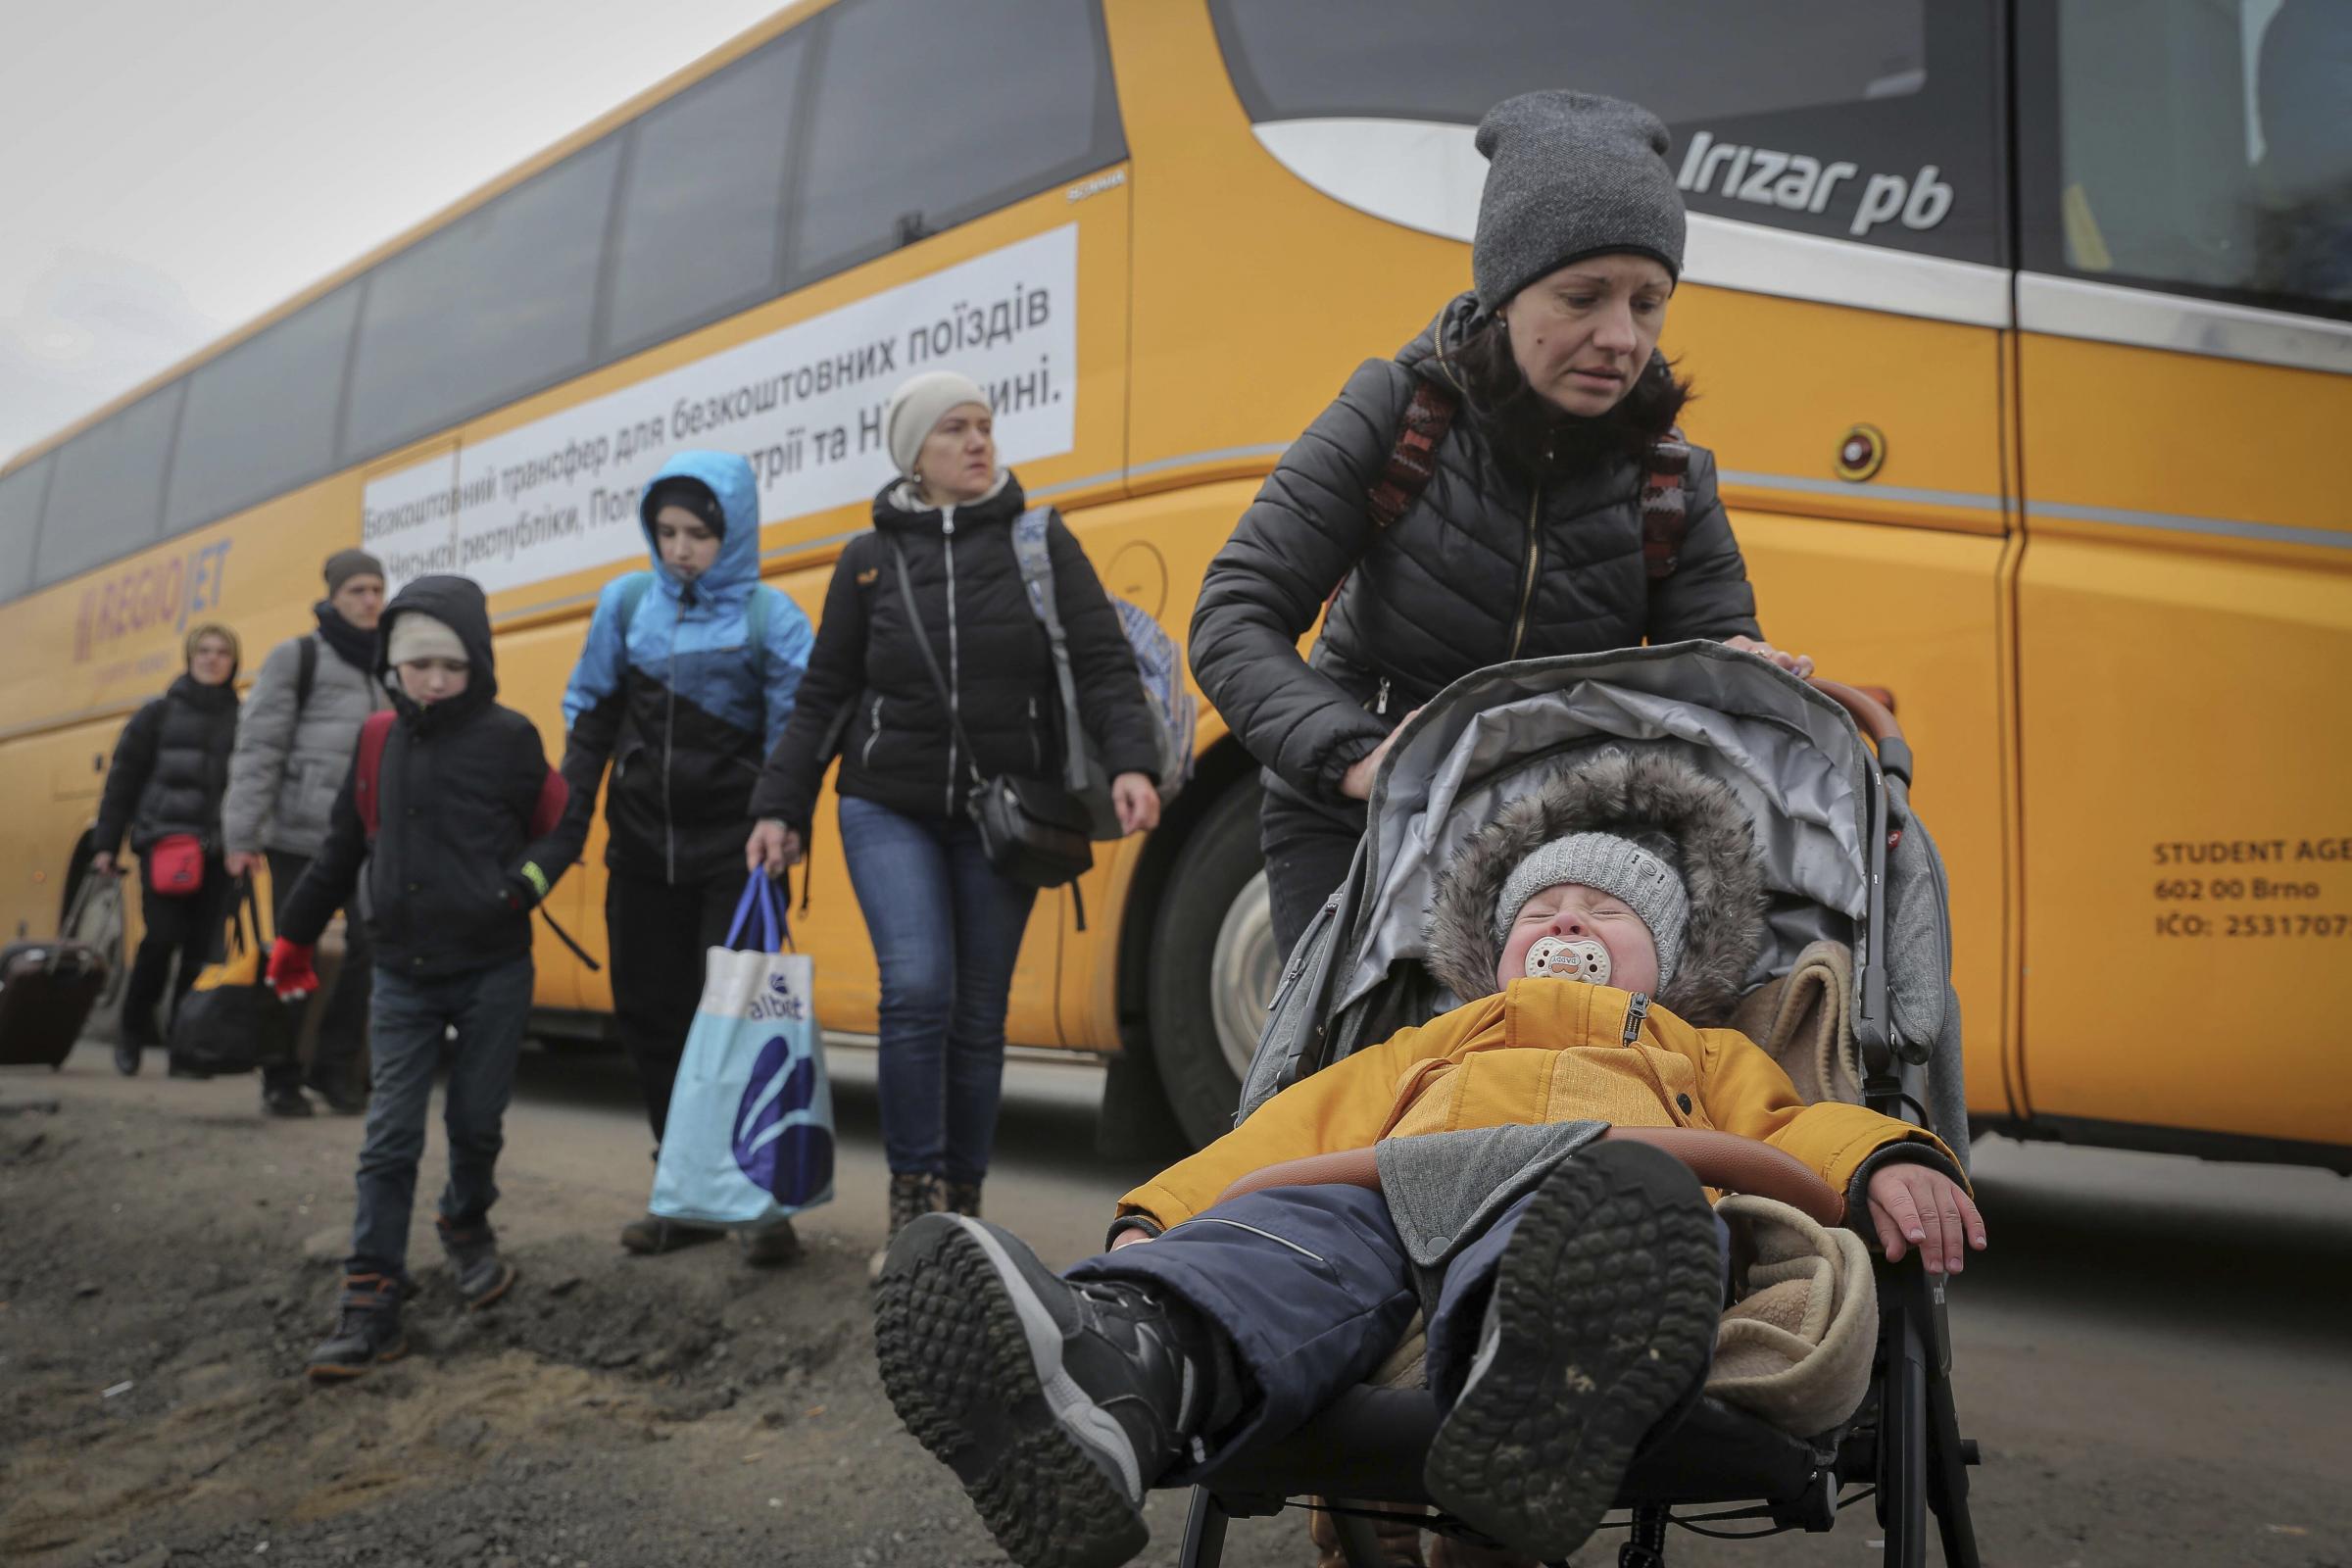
(452, 806)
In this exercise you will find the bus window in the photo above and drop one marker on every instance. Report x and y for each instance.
(702, 204)
(927, 115)
(20, 523)
(2199, 147)
(497, 304)
(107, 496)
(1875, 120)
(260, 419)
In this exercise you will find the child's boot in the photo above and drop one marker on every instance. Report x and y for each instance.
(482, 1275)
(1057, 1404)
(1602, 1317)
(366, 1330)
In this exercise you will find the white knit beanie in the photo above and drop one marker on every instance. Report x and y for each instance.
(917, 407)
(1618, 866)
(416, 635)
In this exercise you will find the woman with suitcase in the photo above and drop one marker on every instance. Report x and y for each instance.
(164, 786)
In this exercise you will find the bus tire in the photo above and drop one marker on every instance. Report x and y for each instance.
(1213, 966)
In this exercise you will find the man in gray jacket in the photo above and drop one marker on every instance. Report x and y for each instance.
(295, 744)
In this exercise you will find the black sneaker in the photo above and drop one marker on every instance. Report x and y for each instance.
(341, 1098)
(366, 1330)
(482, 1275)
(770, 1246)
(126, 1059)
(285, 1100)
(652, 1235)
(1057, 1404)
(1603, 1314)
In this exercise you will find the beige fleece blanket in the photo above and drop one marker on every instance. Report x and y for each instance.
(1804, 1021)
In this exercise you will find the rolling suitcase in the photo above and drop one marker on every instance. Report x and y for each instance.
(46, 990)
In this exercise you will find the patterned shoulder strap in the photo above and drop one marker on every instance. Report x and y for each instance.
(1414, 458)
(1665, 505)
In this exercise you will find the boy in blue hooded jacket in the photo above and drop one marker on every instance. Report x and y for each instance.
(684, 686)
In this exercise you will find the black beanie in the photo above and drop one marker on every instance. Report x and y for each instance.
(680, 491)
(1570, 174)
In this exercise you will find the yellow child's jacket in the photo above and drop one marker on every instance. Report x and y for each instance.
(1542, 1050)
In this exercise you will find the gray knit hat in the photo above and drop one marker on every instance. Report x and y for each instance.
(1648, 882)
(1570, 174)
(345, 565)
(917, 407)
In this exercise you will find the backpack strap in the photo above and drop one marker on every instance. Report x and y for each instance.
(633, 589)
(1665, 506)
(1411, 460)
(754, 624)
(1414, 457)
(364, 791)
(308, 654)
(1029, 548)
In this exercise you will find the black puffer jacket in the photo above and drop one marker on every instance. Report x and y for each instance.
(458, 788)
(897, 743)
(171, 768)
(1489, 563)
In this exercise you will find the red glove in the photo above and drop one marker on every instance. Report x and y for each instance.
(291, 971)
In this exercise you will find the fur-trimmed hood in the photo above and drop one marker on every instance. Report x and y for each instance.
(1616, 792)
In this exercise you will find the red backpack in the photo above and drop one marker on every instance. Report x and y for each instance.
(367, 795)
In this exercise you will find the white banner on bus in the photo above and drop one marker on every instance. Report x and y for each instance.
(803, 405)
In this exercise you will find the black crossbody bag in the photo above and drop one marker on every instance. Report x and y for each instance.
(1031, 829)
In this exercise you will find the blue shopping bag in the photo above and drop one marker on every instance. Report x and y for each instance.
(750, 1136)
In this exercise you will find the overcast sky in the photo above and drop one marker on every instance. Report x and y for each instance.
(172, 170)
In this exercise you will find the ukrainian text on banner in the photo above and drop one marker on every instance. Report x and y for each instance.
(804, 405)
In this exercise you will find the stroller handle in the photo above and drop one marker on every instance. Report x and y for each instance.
(1873, 710)
(1719, 1159)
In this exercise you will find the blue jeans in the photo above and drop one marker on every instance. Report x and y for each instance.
(947, 930)
(489, 1008)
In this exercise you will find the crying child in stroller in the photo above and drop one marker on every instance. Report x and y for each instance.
(1593, 936)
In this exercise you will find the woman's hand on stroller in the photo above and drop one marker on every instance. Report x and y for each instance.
(771, 847)
(1912, 1205)
(1798, 664)
(1357, 782)
(1136, 800)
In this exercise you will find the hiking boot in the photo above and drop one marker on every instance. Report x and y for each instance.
(366, 1330)
(913, 1194)
(285, 1100)
(959, 1198)
(770, 1246)
(654, 1233)
(1057, 1404)
(180, 1066)
(1602, 1319)
(482, 1275)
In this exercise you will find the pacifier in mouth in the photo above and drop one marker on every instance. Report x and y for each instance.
(1568, 959)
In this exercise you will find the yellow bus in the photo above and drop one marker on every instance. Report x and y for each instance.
(2024, 338)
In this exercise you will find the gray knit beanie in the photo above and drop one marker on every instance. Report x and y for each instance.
(1618, 866)
(1570, 174)
(345, 565)
(917, 407)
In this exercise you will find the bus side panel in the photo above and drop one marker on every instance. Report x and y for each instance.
(2186, 739)
(1914, 609)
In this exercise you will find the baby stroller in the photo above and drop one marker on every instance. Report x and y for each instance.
(1843, 861)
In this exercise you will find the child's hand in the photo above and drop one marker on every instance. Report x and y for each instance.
(1921, 1205)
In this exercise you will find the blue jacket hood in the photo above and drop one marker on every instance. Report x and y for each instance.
(729, 477)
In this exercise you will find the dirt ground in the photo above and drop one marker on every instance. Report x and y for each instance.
(167, 1258)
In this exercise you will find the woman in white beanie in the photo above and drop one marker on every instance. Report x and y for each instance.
(945, 925)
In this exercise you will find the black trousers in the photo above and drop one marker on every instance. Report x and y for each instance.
(656, 933)
(1309, 849)
(343, 1028)
(185, 927)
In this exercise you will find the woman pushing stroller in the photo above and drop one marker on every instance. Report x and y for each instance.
(1571, 1306)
